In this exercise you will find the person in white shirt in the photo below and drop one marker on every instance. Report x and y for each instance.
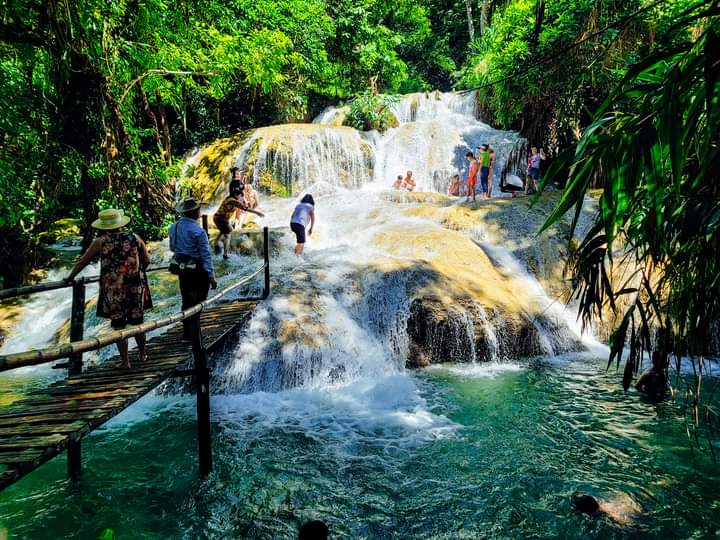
(303, 215)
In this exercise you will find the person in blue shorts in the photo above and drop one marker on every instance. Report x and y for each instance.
(534, 168)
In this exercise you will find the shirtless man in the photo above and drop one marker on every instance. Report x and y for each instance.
(250, 198)
(409, 181)
(454, 187)
(398, 184)
(472, 176)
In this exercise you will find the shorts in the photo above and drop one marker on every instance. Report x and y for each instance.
(472, 181)
(484, 173)
(299, 230)
(119, 324)
(534, 173)
(222, 222)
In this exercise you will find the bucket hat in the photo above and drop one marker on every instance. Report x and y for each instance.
(188, 205)
(110, 219)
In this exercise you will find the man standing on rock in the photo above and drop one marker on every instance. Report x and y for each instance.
(472, 176)
(485, 160)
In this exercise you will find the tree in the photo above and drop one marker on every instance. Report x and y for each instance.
(655, 143)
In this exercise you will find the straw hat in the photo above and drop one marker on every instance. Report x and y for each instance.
(188, 205)
(110, 219)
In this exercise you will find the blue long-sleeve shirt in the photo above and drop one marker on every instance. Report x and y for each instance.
(187, 237)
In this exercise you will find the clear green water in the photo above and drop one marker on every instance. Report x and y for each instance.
(471, 452)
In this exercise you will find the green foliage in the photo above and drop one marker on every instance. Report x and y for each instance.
(99, 98)
(654, 144)
(369, 111)
(545, 72)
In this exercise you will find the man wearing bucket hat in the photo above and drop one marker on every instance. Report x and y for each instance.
(192, 261)
(123, 293)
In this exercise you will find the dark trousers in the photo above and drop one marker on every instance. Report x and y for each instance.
(194, 287)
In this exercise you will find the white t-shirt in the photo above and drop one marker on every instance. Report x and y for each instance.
(301, 214)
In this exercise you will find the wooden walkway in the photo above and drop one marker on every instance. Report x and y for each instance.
(37, 429)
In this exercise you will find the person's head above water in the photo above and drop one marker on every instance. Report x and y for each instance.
(469, 155)
(483, 146)
(308, 199)
(586, 504)
(409, 173)
(456, 177)
(399, 177)
(314, 530)
(234, 172)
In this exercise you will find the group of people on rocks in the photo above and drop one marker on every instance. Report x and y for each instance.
(124, 293)
(233, 210)
(406, 183)
(481, 167)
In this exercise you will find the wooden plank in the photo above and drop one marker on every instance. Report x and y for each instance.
(79, 406)
(15, 458)
(57, 418)
(31, 430)
(20, 443)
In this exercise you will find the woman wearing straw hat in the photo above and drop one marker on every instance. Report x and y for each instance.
(123, 292)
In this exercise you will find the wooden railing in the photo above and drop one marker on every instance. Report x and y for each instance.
(79, 345)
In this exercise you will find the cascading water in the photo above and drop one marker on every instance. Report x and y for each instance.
(435, 133)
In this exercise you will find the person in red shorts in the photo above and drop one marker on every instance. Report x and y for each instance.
(472, 175)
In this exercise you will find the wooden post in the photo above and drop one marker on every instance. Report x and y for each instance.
(74, 460)
(205, 224)
(77, 325)
(266, 259)
(202, 380)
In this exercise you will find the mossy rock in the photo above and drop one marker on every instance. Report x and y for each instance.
(207, 172)
(65, 231)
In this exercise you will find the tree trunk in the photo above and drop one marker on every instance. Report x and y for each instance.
(539, 17)
(167, 141)
(471, 28)
(484, 16)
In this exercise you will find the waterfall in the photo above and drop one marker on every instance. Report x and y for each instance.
(288, 158)
(436, 131)
(383, 282)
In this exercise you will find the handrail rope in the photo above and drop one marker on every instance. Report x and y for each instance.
(6, 294)
(40, 356)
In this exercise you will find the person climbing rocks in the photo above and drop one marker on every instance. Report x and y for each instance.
(472, 176)
(454, 187)
(533, 171)
(409, 181)
(484, 159)
(123, 288)
(189, 243)
(303, 215)
(221, 218)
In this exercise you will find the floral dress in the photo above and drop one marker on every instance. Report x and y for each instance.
(124, 293)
